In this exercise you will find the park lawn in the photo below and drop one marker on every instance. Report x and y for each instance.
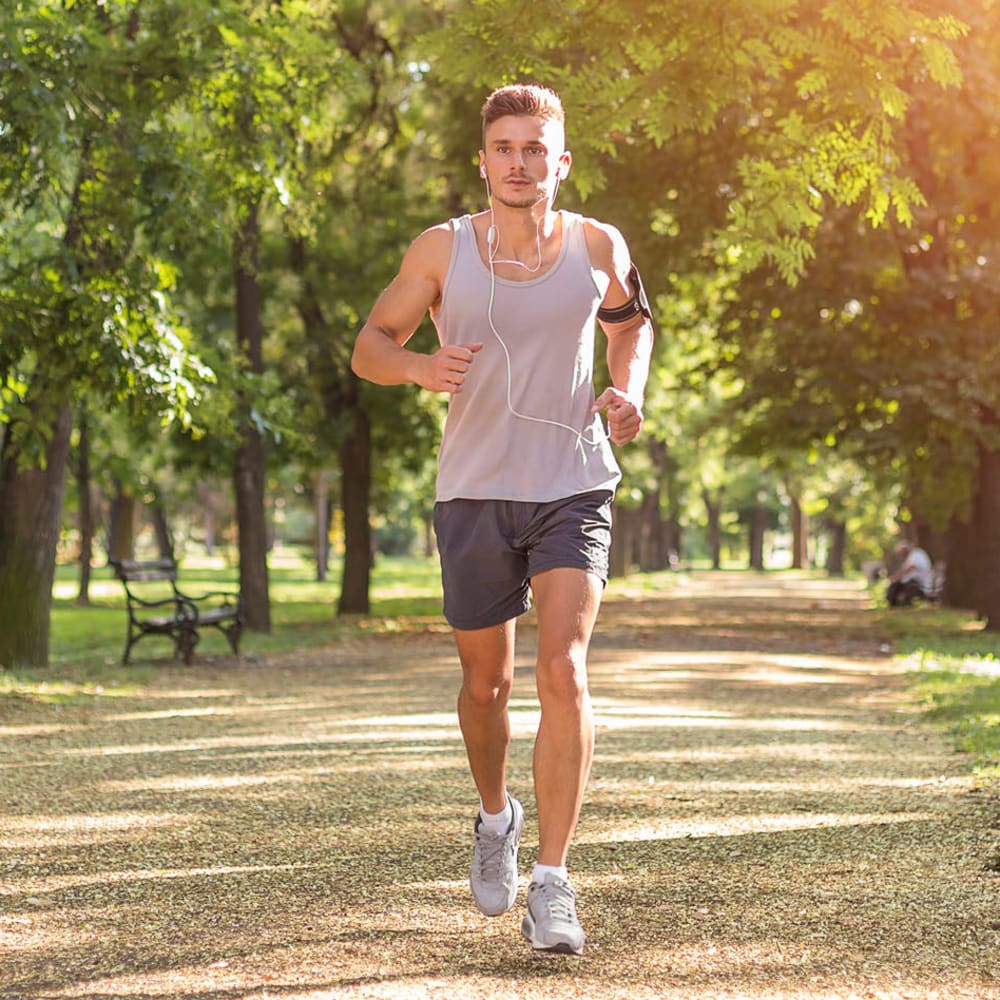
(87, 642)
(405, 594)
(954, 666)
(954, 673)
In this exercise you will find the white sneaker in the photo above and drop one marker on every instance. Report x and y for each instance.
(551, 923)
(494, 865)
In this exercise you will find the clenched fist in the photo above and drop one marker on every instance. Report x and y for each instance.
(624, 416)
(446, 368)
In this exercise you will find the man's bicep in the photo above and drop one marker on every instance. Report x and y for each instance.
(416, 288)
(610, 253)
(400, 309)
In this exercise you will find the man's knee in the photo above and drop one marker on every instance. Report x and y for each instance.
(486, 692)
(562, 679)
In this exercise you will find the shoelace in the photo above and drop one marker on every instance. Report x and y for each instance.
(559, 900)
(490, 856)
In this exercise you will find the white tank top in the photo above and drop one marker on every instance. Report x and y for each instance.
(548, 325)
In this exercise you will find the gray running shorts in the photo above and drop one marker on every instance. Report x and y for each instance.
(490, 550)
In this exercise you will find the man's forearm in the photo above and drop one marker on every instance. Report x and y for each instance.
(629, 353)
(379, 359)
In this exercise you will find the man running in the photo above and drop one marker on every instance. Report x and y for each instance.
(526, 472)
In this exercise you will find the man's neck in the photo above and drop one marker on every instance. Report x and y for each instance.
(525, 226)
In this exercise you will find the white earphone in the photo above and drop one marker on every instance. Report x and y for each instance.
(492, 246)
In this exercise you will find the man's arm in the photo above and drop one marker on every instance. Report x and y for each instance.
(630, 342)
(380, 354)
(909, 567)
(630, 347)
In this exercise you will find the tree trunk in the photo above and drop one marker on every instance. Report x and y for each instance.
(85, 511)
(248, 483)
(206, 498)
(988, 538)
(250, 471)
(758, 522)
(800, 536)
(650, 539)
(31, 502)
(164, 538)
(714, 510)
(121, 535)
(838, 548)
(321, 508)
(673, 541)
(622, 542)
(961, 565)
(430, 543)
(355, 479)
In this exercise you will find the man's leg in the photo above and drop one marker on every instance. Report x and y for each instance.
(487, 657)
(567, 601)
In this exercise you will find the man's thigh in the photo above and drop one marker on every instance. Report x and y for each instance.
(567, 602)
(487, 657)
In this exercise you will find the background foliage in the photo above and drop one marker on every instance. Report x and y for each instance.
(808, 188)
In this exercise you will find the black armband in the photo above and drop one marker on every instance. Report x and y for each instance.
(638, 305)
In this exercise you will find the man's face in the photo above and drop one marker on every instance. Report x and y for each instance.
(524, 158)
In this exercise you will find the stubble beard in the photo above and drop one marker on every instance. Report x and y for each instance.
(528, 200)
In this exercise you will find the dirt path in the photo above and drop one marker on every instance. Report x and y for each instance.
(766, 819)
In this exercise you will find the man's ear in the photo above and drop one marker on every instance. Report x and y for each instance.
(565, 162)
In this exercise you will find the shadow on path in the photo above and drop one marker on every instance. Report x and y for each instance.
(765, 819)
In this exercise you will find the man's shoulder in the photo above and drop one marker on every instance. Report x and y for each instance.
(442, 232)
(431, 250)
(605, 243)
(442, 235)
(600, 230)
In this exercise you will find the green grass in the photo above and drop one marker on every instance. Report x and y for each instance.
(969, 704)
(955, 675)
(87, 642)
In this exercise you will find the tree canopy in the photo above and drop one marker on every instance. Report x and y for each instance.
(808, 188)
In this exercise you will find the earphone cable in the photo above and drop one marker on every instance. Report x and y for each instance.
(578, 434)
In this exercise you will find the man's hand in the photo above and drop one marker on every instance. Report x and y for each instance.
(446, 368)
(624, 416)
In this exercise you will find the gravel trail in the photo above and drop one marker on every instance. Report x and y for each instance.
(767, 818)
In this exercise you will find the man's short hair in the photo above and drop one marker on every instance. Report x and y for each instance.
(528, 99)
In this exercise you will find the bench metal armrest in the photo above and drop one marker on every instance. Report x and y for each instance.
(187, 610)
(142, 602)
(229, 598)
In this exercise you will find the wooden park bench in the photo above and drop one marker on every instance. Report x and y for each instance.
(156, 609)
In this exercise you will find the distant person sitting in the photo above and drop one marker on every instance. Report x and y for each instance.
(913, 578)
